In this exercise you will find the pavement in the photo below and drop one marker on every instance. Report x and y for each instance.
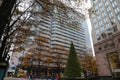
(9, 78)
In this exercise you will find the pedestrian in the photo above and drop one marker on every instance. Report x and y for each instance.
(85, 73)
(28, 76)
(57, 76)
(52, 77)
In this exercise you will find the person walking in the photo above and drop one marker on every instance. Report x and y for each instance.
(52, 77)
(57, 76)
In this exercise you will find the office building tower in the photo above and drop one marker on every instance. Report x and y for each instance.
(66, 30)
(105, 20)
(52, 30)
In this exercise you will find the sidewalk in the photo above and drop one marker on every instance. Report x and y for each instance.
(9, 78)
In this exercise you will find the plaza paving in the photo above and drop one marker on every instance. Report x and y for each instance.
(9, 78)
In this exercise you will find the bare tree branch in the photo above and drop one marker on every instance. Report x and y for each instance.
(14, 9)
(17, 28)
(20, 16)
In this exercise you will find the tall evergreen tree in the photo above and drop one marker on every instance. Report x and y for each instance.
(73, 68)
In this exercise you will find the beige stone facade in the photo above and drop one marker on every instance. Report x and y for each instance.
(103, 49)
(105, 21)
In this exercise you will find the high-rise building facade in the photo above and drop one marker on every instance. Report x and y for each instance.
(51, 32)
(66, 30)
(105, 20)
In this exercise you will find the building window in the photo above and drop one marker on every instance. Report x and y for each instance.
(108, 8)
(97, 32)
(98, 12)
(107, 26)
(100, 48)
(113, 4)
(113, 20)
(100, 4)
(115, 28)
(102, 9)
(110, 34)
(98, 38)
(100, 23)
(105, 20)
(96, 26)
(103, 14)
(103, 35)
(110, 14)
(113, 59)
(111, 0)
(102, 29)
(119, 40)
(106, 3)
(117, 10)
(118, 17)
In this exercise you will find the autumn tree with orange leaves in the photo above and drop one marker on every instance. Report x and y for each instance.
(89, 64)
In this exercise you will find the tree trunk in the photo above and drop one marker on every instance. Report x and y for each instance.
(5, 14)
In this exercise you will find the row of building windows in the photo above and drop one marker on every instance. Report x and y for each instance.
(102, 29)
(69, 30)
(111, 0)
(101, 20)
(105, 20)
(65, 39)
(104, 34)
(108, 45)
(67, 44)
(100, 24)
(70, 37)
(68, 33)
